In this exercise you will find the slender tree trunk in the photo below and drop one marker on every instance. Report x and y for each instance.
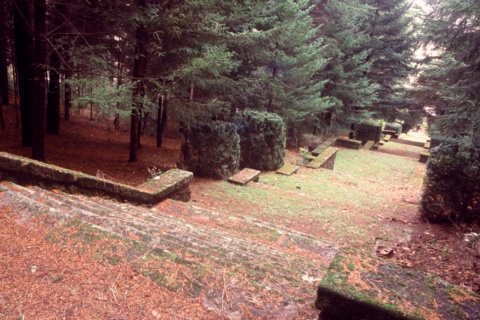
(139, 72)
(22, 17)
(68, 87)
(15, 89)
(53, 100)
(161, 118)
(38, 142)
(3, 55)
(2, 119)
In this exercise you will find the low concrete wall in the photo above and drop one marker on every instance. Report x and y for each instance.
(348, 143)
(173, 184)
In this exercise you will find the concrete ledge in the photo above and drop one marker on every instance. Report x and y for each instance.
(348, 143)
(368, 145)
(325, 160)
(324, 145)
(171, 184)
(288, 169)
(424, 156)
(360, 286)
(243, 177)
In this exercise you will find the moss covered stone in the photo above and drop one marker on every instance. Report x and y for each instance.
(262, 140)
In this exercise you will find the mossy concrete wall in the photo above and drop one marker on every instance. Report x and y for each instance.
(171, 184)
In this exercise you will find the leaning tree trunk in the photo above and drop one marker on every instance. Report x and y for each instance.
(139, 72)
(38, 141)
(22, 18)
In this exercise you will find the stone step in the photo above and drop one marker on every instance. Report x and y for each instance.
(255, 229)
(283, 271)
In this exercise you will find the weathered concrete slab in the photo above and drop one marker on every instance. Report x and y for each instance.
(360, 286)
(324, 145)
(288, 169)
(427, 145)
(348, 143)
(392, 133)
(368, 145)
(387, 138)
(171, 184)
(245, 176)
(325, 160)
(424, 156)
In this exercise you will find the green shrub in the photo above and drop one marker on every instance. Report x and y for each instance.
(262, 140)
(452, 184)
(212, 150)
(371, 130)
(394, 126)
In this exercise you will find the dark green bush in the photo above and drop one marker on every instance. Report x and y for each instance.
(212, 150)
(368, 131)
(452, 185)
(262, 139)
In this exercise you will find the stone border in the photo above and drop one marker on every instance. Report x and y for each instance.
(360, 286)
(173, 184)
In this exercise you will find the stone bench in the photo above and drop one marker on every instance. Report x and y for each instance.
(368, 145)
(387, 138)
(171, 184)
(288, 169)
(348, 143)
(360, 286)
(325, 160)
(244, 176)
(427, 145)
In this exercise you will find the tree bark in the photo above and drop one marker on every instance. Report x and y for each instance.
(3, 55)
(161, 119)
(139, 72)
(38, 141)
(22, 17)
(68, 88)
(53, 97)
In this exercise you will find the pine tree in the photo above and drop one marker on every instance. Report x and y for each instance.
(348, 50)
(391, 29)
(450, 81)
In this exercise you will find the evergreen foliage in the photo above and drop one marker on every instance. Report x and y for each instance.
(262, 139)
(450, 80)
(212, 150)
(452, 187)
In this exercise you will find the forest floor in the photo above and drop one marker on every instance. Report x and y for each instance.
(94, 147)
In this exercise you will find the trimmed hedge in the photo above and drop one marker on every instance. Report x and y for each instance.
(365, 132)
(262, 140)
(394, 126)
(452, 185)
(212, 150)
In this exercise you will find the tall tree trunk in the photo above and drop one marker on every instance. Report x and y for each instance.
(15, 88)
(3, 55)
(2, 119)
(22, 17)
(139, 72)
(161, 118)
(38, 142)
(53, 100)
(68, 87)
